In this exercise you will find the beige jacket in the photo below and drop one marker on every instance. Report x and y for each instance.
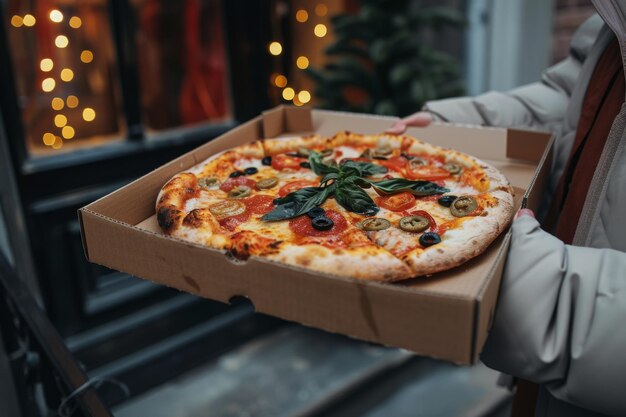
(561, 317)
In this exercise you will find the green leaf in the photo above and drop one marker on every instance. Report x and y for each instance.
(361, 169)
(354, 199)
(319, 167)
(418, 188)
(298, 203)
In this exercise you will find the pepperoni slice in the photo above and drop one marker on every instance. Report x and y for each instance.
(302, 226)
(231, 183)
(259, 204)
(231, 223)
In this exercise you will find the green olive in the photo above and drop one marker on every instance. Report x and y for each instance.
(453, 168)
(227, 208)
(367, 154)
(374, 223)
(304, 152)
(326, 152)
(209, 183)
(240, 191)
(463, 206)
(414, 223)
(383, 150)
(417, 162)
(267, 183)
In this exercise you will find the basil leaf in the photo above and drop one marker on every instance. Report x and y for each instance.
(319, 167)
(418, 188)
(361, 169)
(354, 199)
(298, 203)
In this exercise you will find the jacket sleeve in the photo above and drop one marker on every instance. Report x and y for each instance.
(540, 105)
(561, 319)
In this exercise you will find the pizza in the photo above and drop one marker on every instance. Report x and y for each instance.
(375, 207)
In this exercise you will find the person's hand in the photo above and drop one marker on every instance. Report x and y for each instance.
(525, 212)
(419, 119)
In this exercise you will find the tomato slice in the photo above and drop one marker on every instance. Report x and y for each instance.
(433, 224)
(427, 173)
(395, 163)
(259, 204)
(296, 185)
(231, 183)
(284, 161)
(397, 202)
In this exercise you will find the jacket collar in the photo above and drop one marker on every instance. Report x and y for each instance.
(613, 12)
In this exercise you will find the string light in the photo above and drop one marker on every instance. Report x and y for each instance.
(72, 102)
(288, 93)
(68, 132)
(48, 85)
(321, 9)
(17, 21)
(89, 114)
(275, 48)
(302, 62)
(57, 104)
(58, 143)
(280, 81)
(61, 41)
(67, 74)
(56, 16)
(302, 16)
(320, 30)
(304, 96)
(60, 120)
(48, 139)
(75, 22)
(46, 64)
(86, 56)
(29, 20)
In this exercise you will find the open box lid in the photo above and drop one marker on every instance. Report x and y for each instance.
(446, 316)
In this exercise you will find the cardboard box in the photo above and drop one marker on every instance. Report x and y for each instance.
(446, 316)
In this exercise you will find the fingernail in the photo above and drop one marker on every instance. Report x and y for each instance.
(525, 212)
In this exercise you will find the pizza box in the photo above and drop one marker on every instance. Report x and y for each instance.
(446, 315)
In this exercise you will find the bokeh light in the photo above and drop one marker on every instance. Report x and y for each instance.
(302, 62)
(75, 22)
(288, 93)
(302, 16)
(56, 16)
(320, 30)
(86, 56)
(280, 81)
(89, 114)
(60, 120)
(275, 48)
(304, 96)
(57, 103)
(68, 132)
(61, 41)
(29, 20)
(48, 84)
(46, 64)
(72, 102)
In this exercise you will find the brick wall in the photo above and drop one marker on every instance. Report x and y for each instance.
(568, 15)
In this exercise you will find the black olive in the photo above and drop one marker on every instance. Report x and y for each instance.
(250, 171)
(316, 212)
(235, 174)
(293, 154)
(322, 223)
(267, 160)
(446, 200)
(406, 156)
(429, 239)
(305, 165)
(381, 158)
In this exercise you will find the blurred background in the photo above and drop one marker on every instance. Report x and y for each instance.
(95, 93)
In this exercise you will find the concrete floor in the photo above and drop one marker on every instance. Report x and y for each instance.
(303, 372)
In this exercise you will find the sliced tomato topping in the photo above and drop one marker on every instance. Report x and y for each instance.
(427, 173)
(259, 204)
(231, 183)
(283, 161)
(302, 226)
(397, 202)
(431, 221)
(296, 185)
(395, 163)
